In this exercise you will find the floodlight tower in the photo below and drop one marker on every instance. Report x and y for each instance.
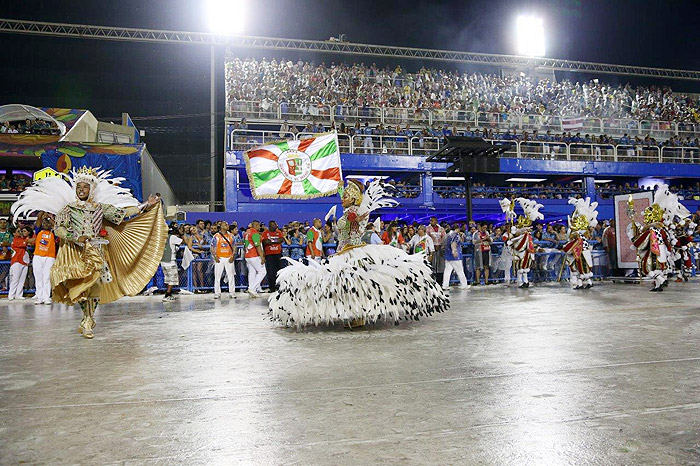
(226, 17)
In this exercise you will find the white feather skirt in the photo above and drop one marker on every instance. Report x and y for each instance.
(373, 282)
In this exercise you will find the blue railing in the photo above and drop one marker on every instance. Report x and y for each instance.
(547, 266)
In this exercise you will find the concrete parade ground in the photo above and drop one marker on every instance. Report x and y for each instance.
(547, 375)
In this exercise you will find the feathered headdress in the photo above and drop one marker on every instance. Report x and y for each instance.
(585, 214)
(531, 210)
(377, 195)
(87, 175)
(52, 194)
(669, 205)
(354, 190)
(508, 208)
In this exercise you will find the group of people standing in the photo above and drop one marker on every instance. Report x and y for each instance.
(26, 245)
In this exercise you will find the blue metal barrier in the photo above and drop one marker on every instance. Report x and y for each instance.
(200, 275)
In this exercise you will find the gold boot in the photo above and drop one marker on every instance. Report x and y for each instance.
(357, 322)
(88, 323)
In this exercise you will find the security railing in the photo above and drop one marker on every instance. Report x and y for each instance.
(617, 127)
(304, 112)
(680, 154)
(351, 115)
(499, 192)
(245, 139)
(425, 145)
(248, 109)
(344, 140)
(420, 145)
(199, 276)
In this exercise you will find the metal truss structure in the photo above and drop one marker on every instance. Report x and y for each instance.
(83, 31)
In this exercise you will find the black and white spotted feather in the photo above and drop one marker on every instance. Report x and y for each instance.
(372, 282)
(376, 196)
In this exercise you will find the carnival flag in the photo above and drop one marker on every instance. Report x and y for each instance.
(302, 169)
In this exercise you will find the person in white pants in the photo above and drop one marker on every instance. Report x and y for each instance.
(219, 268)
(506, 259)
(44, 257)
(453, 259)
(41, 267)
(223, 251)
(19, 263)
(254, 258)
(18, 275)
(256, 274)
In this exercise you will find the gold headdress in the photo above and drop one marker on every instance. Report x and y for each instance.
(579, 222)
(354, 190)
(653, 214)
(523, 221)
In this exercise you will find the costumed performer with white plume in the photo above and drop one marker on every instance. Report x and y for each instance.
(652, 240)
(104, 254)
(361, 283)
(578, 250)
(521, 242)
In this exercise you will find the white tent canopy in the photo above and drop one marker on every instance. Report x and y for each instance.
(20, 112)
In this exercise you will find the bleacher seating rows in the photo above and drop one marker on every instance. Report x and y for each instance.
(271, 90)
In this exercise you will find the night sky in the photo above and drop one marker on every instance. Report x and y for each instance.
(155, 80)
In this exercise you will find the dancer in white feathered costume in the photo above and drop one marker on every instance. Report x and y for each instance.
(361, 283)
(103, 254)
(578, 249)
(521, 242)
(654, 240)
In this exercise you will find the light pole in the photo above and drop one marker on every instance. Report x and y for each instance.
(212, 132)
(225, 17)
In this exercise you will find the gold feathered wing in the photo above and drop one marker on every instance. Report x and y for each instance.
(134, 251)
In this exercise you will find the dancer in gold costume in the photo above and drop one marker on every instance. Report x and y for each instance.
(110, 245)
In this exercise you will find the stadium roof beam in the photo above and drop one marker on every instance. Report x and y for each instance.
(83, 31)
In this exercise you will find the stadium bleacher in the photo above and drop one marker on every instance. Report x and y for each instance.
(301, 91)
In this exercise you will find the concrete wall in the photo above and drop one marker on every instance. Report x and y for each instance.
(84, 130)
(125, 133)
(154, 181)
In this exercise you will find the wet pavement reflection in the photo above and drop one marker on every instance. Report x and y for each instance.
(540, 376)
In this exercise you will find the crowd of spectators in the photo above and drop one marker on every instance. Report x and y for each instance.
(308, 87)
(531, 191)
(540, 190)
(30, 126)
(296, 235)
(15, 183)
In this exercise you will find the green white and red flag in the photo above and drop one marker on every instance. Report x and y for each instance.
(302, 169)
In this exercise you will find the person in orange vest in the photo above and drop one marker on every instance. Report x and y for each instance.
(223, 252)
(19, 262)
(254, 258)
(44, 257)
(314, 241)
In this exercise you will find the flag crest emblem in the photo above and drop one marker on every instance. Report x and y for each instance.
(295, 169)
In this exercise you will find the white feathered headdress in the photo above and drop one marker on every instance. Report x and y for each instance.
(508, 208)
(531, 209)
(585, 214)
(670, 204)
(52, 194)
(376, 195)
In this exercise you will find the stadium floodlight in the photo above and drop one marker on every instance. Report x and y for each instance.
(227, 16)
(526, 180)
(595, 181)
(530, 36)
